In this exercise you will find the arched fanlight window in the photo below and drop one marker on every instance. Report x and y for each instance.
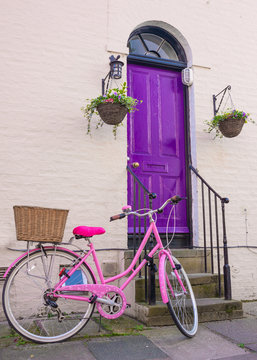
(152, 45)
(156, 43)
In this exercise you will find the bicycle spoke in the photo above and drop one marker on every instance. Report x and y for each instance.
(182, 305)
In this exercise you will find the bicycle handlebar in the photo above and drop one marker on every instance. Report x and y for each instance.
(174, 200)
(117, 217)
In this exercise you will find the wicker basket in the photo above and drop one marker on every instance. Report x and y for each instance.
(231, 127)
(112, 113)
(39, 224)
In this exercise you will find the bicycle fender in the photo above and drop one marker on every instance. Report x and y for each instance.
(162, 280)
(13, 264)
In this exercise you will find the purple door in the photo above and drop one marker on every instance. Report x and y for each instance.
(156, 139)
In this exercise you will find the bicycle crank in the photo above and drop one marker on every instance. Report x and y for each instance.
(112, 305)
(110, 300)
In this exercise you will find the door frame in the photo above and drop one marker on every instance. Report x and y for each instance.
(177, 66)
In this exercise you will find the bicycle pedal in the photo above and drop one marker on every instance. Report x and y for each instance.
(128, 306)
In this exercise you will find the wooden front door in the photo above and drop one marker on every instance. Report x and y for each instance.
(156, 139)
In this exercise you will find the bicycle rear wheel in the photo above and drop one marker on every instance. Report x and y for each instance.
(181, 305)
(24, 303)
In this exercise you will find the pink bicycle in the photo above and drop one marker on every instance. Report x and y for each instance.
(50, 292)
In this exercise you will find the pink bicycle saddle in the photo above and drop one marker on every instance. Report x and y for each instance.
(87, 231)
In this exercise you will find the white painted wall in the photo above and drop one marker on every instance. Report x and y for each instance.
(54, 55)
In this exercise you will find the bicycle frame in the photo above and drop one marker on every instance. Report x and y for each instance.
(86, 287)
(162, 255)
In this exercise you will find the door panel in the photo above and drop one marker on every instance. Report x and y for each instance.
(156, 138)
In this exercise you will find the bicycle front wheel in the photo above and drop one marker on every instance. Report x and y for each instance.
(24, 297)
(181, 304)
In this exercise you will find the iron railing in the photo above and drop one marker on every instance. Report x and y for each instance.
(211, 217)
(142, 198)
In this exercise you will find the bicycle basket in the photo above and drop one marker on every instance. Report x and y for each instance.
(39, 224)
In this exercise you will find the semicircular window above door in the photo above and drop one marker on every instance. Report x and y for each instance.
(152, 45)
(154, 42)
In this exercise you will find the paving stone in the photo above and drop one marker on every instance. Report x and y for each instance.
(125, 348)
(5, 329)
(205, 345)
(250, 308)
(65, 351)
(240, 330)
(91, 329)
(240, 357)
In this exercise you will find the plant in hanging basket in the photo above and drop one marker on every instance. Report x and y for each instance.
(112, 108)
(228, 124)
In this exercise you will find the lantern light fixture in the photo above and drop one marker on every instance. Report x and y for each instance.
(114, 73)
(187, 76)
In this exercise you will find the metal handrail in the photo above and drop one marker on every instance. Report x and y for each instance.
(139, 187)
(151, 195)
(223, 201)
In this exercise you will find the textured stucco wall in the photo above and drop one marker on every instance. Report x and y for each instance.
(53, 57)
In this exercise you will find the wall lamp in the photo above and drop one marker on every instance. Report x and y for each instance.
(114, 73)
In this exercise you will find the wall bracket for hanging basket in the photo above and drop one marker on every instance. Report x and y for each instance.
(214, 98)
(112, 113)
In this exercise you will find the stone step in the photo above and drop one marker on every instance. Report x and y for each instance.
(191, 259)
(209, 309)
(204, 286)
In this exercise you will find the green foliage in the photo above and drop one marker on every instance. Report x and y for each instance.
(17, 339)
(122, 326)
(20, 341)
(118, 96)
(139, 327)
(234, 114)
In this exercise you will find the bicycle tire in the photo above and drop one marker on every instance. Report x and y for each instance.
(23, 297)
(182, 307)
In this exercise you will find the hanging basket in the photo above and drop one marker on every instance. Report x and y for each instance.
(112, 113)
(231, 127)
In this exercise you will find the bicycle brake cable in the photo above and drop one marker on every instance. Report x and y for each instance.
(167, 227)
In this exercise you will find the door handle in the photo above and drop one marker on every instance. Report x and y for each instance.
(135, 165)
